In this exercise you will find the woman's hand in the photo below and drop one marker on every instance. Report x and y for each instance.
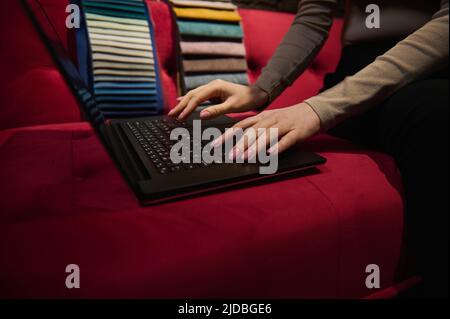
(234, 98)
(294, 124)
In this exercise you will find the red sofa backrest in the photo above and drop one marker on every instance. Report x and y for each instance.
(33, 92)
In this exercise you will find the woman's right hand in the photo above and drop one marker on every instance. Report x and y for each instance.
(233, 98)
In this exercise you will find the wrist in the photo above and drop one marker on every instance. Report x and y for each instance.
(259, 96)
(313, 118)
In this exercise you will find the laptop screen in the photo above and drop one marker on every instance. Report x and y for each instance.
(67, 67)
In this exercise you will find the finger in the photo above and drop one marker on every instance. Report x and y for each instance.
(234, 129)
(180, 106)
(199, 97)
(184, 100)
(251, 134)
(249, 121)
(216, 110)
(285, 142)
(248, 138)
(265, 136)
(229, 133)
(269, 131)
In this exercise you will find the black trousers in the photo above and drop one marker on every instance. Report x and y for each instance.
(413, 127)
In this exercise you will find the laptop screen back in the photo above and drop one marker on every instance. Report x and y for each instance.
(67, 67)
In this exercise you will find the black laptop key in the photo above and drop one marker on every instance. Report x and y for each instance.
(176, 168)
(190, 166)
(154, 138)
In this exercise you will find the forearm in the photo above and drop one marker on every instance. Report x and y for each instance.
(300, 45)
(420, 54)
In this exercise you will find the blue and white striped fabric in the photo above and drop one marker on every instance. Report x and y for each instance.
(117, 58)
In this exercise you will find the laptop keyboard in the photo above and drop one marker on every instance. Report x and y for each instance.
(154, 138)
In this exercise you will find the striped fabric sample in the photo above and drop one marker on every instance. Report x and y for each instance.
(210, 29)
(121, 62)
(215, 65)
(204, 4)
(211, 41)
(207, 14)
(193, 81)
(213, 48)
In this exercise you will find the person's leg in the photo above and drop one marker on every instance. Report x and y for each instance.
(413, 126)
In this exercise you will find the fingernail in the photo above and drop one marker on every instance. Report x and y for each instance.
(273, 150)
(183, 114)
(180, 98)
(216, 142)
(171, 112)
(233, 153)
(250, 154)
(205, 114)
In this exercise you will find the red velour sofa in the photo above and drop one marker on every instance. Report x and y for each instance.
(62, 201)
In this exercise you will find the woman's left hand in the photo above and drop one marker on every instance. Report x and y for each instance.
(294, 124)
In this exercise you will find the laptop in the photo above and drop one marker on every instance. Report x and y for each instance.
(140, 147)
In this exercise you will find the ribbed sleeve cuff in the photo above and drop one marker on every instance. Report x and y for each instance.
(326, 114)
(271, 85)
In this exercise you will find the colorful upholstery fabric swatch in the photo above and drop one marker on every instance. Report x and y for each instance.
(213, 48)
(211, 42)
(125, 21)
(210, 29)
(123, 39)
(121, 45)
(106, 78)
(204, 4)
(124, 85)
(126, 73)
(121, 64)
(118, 51)
(215, 65)
(128, 9)
(194, 81)
(207, 14)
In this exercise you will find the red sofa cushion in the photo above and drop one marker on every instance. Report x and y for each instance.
(65, 202)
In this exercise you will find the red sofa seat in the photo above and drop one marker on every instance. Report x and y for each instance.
(63, 201)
